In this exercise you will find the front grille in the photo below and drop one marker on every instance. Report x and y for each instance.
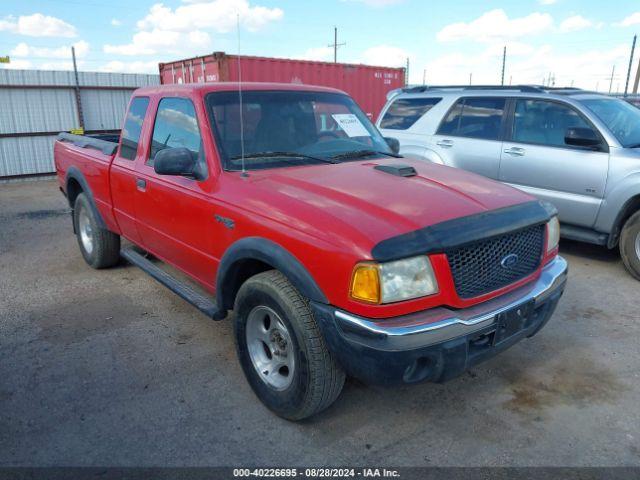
(481, 267)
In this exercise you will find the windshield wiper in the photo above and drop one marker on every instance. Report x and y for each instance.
(362, 153)
(635, 145)
(282, 154)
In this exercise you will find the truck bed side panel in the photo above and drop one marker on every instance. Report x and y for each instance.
(94, 166)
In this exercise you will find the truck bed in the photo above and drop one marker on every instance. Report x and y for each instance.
(92, 156)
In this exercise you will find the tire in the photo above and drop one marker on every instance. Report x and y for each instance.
(99, 247)
(311, 377)
(630, 245)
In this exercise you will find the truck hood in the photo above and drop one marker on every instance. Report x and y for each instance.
(355, 201)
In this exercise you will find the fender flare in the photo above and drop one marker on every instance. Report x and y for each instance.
(75, 174)
(269, 252)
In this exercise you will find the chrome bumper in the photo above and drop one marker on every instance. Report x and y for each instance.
(441, 324)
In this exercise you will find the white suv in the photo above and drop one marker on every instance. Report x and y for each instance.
(578, 150)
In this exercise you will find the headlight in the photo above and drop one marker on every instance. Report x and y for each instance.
(393, 281)
(553, 233)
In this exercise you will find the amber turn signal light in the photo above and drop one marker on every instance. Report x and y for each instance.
(365, 283)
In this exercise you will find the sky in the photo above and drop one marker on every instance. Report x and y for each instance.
(557, 42)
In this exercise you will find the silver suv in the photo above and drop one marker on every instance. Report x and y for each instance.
(576, 149)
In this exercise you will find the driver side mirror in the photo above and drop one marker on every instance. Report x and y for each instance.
(581, 137)
(176, 161)
(394, 144)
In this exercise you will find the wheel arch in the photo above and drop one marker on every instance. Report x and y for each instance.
(250, 256)
(631, 206)
(76, 184)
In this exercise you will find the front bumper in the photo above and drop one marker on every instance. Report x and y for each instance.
(440, 343)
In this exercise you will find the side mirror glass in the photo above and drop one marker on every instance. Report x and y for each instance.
(175, 161)
(394, 144)
(581, 137)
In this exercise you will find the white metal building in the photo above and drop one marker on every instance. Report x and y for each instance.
(35, 105)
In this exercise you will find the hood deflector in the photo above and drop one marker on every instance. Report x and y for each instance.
(463, 231)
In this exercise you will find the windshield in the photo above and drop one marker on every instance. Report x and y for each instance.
(291, 128)
(622, 119)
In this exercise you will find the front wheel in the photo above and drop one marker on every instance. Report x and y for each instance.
(630, 245)
(99, 247)
(281, 349)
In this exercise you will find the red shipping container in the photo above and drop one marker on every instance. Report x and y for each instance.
(368, 85)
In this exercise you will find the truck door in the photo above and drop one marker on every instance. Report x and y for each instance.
(470, 135)
(174, 213)
(123, 169)
(536, 159)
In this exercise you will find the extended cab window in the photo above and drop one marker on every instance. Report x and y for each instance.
(543, 122)
(176, 126)
(475, 118)
(404, 112)
(133, 127)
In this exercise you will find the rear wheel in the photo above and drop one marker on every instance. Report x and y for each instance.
(630, 245)
(99, 247)
(281, 349)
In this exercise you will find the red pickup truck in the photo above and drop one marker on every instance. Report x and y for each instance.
(336, 255)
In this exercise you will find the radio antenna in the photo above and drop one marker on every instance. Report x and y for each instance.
(244, 172)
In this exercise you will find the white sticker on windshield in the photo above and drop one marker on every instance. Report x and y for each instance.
(350, 124)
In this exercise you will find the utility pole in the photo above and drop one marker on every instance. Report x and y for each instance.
(406, 74)
(633, 47)
(613, 71)
(77, 89)
(424, 76)
(470, 77)
(635, 84)
(335, 44)
(504, 59)
(510, 79)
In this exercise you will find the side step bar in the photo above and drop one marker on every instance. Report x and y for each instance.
(202, 303)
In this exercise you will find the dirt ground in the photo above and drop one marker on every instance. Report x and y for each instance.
(110, 368)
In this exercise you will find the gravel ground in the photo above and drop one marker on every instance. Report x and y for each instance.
(109, 368)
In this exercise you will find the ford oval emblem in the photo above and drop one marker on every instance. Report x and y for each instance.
(509, 261)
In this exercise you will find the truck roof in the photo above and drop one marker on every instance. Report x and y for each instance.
(227, 86)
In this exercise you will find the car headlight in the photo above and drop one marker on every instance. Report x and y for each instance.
(553, 233)
(393, 281)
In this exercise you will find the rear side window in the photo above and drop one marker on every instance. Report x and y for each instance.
(133, 127)
(404, 112)
(475, 118)
(176, 126)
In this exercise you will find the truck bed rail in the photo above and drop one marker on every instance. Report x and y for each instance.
(107, 147)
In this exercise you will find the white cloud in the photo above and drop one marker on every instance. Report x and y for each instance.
(37, 25)
(632, 19)
(115, 22)
(130, 67)
(162, 41)
(377, 3)
(586, 69)
(320, 54)
(184, 30)
(19, 64)
(22, 50)
(218, 15)
(495, 25)
(576, 22)
(385, 56)
(547, 2)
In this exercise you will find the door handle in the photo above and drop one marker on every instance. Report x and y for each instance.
(515, 151)
(445, 143)
(141, 184)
